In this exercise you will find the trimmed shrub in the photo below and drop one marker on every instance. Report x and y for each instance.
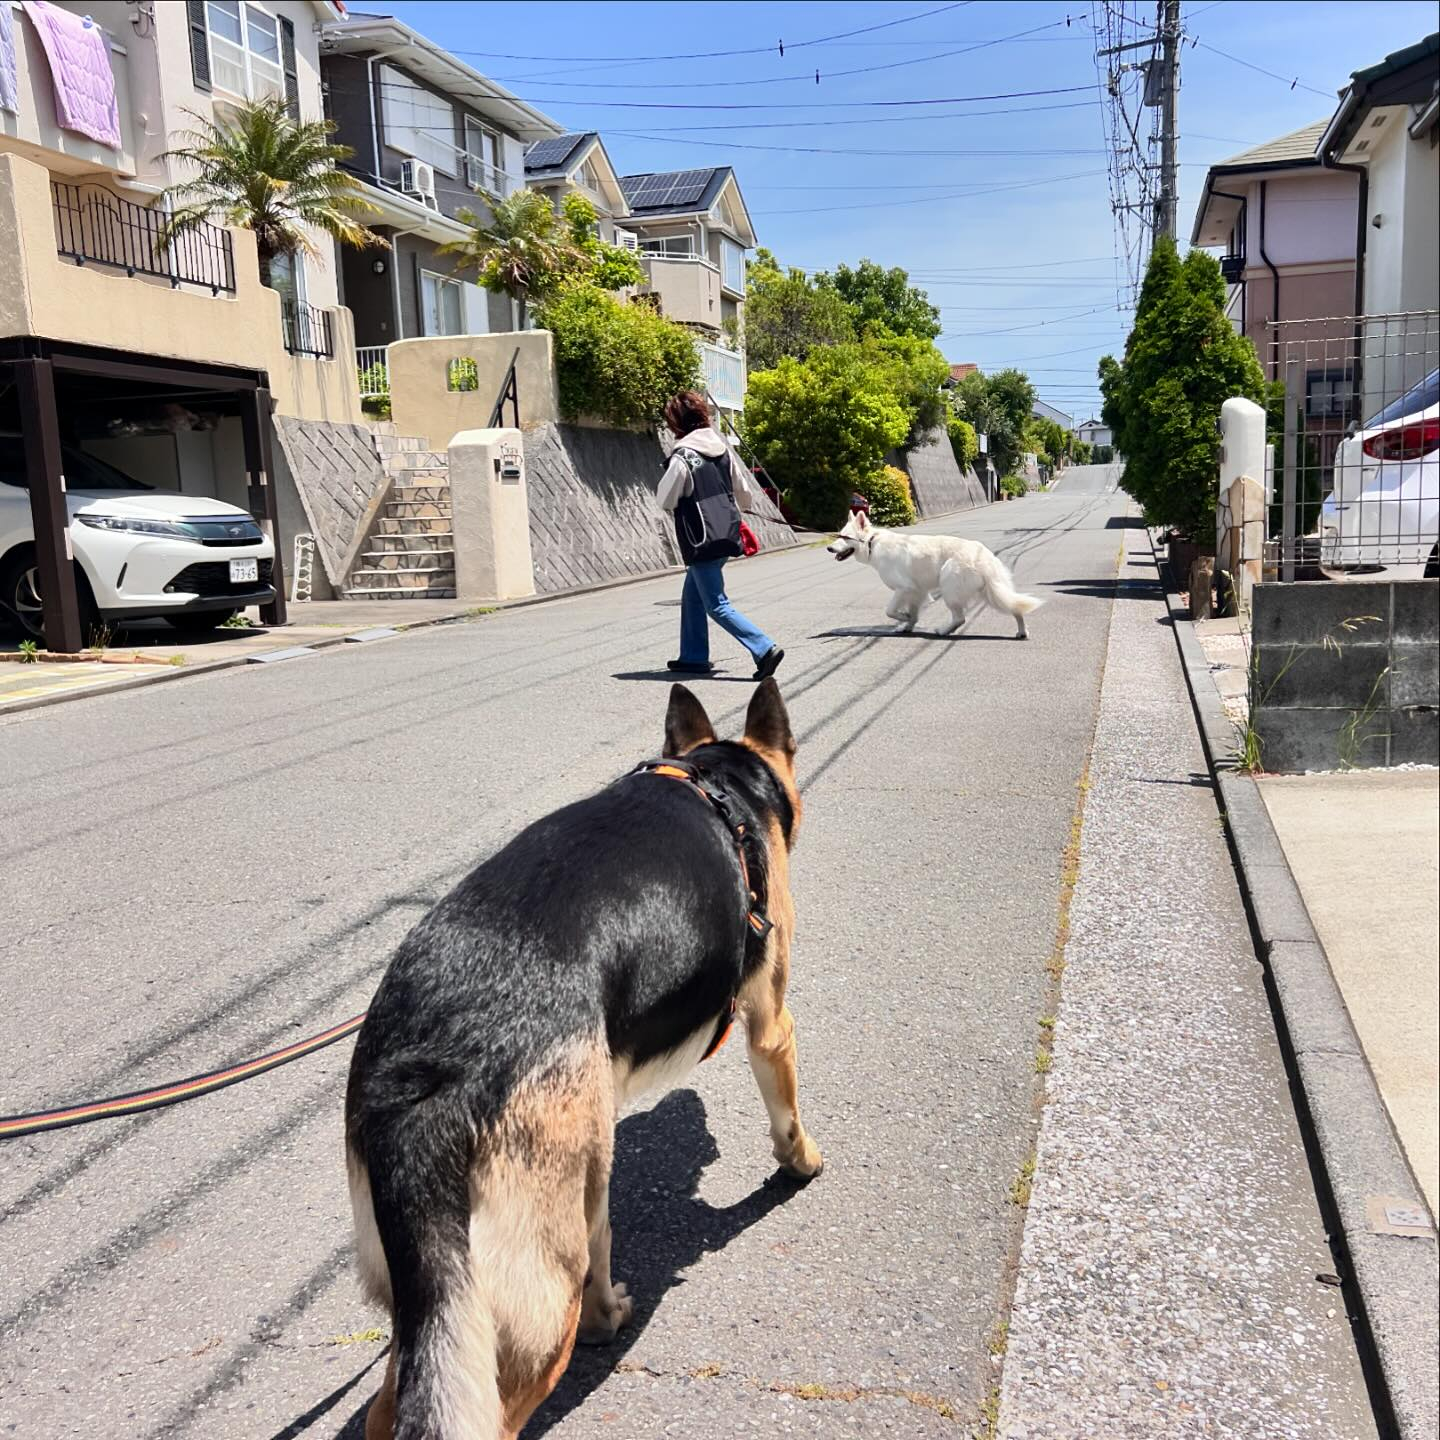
(963, 441)
(888, 491)
(1014, 486)
(619, 363)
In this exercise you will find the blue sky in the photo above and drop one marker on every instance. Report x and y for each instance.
(1024, 275)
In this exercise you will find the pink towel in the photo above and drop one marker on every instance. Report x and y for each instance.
(79, 56)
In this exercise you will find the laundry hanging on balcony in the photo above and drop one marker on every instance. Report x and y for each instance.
(79, 55)
(9, 89)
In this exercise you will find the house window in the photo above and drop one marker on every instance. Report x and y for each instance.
(418, 122)
(482, 159)
(1327, 396)
(732, 266)
(442, 309)
(244, 49)
(589, 177)
(674, 246)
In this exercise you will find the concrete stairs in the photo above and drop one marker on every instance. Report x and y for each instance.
(410, 551)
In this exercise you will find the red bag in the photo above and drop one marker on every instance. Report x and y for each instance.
(749, 540)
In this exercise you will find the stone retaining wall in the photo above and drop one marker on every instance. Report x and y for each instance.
(593, 513)
(939, 484)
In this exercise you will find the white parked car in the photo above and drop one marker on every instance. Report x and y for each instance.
(139, 552)
(1385, 506)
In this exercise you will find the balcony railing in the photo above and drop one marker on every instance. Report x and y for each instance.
(372, 365)
(724, 375)
(97, 227)
(308, 330)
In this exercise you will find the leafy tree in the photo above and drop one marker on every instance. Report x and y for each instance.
(260, 170)
(786, 313)
(617, 362)
(999, 407)
(822, 425)
(875, 295)
(914, 370)
(524, 252)
(1182, 361)
(963, 441)
(608, 266)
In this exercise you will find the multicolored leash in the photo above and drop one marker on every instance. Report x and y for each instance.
(117, 1106)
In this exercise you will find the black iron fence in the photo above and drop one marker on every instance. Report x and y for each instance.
(97, 227)
(308, 330)
(1355, 483)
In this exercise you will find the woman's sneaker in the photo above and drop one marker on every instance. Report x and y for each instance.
(769, 663)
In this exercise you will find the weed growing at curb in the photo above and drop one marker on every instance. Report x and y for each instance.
(1021, 1185)
(29, 652)
(476, 610)
(1042, 1062)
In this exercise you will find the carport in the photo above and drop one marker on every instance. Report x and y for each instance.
(40, 373)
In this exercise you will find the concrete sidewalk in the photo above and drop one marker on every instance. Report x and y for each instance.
(1168, 1277)
(1364, 848)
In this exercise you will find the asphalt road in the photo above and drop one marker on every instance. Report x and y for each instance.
(206, 869)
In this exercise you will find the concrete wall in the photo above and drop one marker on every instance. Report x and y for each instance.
(593, 513)
(1346, 674)
(422, 404)
(939, 484)
(42, 293)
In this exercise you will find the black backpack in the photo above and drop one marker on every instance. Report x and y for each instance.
(707, 521)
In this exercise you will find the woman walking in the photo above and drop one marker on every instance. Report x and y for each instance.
(705, 487)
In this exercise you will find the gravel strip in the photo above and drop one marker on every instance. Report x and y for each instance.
(1168, 1275)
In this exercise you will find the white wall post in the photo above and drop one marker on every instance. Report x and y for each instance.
(490, 506)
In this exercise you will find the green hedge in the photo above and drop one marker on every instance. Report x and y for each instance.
(888, 491)
(617, 362)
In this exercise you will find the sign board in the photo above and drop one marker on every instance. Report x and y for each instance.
(984, 440)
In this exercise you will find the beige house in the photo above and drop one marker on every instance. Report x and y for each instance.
(170, 362)
(1286, 226)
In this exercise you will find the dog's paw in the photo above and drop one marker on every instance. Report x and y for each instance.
(599, 1320)
(802, 1161)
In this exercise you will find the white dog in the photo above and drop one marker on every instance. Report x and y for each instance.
(928, 567)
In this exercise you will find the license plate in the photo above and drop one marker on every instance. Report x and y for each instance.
(244, 571)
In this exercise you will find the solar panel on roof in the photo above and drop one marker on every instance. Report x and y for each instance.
(555, 151)
(658, 192)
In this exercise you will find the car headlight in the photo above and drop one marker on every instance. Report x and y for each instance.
(133, 525)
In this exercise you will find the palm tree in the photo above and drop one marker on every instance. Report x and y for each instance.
(261, 170)
(524, 250)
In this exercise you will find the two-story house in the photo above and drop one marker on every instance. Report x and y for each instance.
(692, 231)
(427, 132)
(168, 361)
(579, 163)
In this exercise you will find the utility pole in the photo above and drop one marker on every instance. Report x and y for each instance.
(1168, 23)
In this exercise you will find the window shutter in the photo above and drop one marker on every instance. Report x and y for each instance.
(199, 45)
(292, 75)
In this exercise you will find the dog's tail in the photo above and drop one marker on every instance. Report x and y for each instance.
(1001, 593)
(410, 1195)
(474, 1235)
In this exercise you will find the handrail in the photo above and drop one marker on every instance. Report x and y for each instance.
(509, 390)
(94, 225)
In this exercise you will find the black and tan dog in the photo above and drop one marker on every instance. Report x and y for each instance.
(600, 954)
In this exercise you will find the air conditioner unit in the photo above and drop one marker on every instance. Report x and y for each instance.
(627, 240)
(418, 179)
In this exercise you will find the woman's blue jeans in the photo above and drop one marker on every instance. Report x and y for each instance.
(704, 594)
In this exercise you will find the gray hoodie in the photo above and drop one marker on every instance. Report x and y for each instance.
(676, 483)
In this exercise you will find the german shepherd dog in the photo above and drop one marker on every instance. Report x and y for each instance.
(602, 953)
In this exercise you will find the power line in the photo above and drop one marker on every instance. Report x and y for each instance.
(1294, 82)
(930, 199)
(808, 79)
(891, 120)
(721, 54)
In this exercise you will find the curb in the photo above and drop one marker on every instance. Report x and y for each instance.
(191, 672)
(1393, 1278)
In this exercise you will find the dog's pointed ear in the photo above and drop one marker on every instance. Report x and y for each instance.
(862, 521)
(766, 722)
(686, 723)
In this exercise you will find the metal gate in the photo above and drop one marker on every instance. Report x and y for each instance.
(1356, 481)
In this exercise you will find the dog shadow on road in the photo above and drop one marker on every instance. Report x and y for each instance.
(888, 632)
(662, 1228)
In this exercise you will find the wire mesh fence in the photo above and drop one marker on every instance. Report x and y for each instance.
(1356, 476)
